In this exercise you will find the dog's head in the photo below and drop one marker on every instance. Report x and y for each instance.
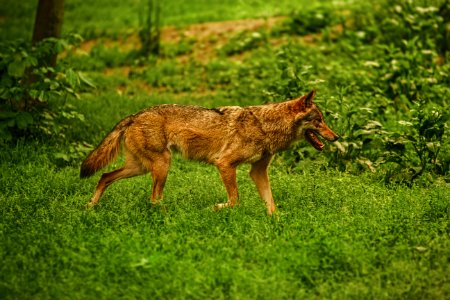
(310, 121)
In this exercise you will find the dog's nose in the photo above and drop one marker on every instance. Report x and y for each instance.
(332, 137)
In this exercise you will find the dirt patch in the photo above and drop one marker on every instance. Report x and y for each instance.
(205, 37)
(312, 38)
(211, 36)
(125, 44)
(217, 30)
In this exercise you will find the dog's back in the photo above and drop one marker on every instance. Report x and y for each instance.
(197, 133)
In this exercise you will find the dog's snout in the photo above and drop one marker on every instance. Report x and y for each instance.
(330, 135)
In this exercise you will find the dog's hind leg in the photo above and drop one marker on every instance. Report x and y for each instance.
(131, 168)
(228, 175)
(259, 175)
(159, 167)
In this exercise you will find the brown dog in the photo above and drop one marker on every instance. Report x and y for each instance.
(225, 137)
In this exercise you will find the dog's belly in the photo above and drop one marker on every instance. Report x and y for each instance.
(253, 158)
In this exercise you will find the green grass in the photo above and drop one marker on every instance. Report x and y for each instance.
(334, 236)
(111, 17)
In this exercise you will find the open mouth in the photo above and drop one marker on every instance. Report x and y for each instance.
(312, 138)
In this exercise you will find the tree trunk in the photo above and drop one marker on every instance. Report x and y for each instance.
(150, 32)
(48, 23)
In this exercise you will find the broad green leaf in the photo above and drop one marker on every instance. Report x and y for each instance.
(433, 146)
(86, 80)
(4, 93)
(23, 120)
(31, 61)
(42, 96)
(72, 78)
(33, 93)
(16, 68)
(54, 85)
(340, 147)
(62, 156)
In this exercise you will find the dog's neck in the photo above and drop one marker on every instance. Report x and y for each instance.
(279, 132)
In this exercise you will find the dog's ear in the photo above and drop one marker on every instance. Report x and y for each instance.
(304, 102)
(309, 98)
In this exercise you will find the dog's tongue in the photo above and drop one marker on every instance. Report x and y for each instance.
(312, 138)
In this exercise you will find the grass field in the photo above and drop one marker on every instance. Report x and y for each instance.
(350, 224)
(334, 236)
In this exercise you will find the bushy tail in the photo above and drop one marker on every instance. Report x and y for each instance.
(106, 152)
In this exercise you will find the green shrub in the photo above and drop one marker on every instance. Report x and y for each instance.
(312, 18)
(33, 95)
(400, 77)
(244, 41)
(417, 150)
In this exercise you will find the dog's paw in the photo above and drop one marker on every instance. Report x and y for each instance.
(219, 206)
(89, 205)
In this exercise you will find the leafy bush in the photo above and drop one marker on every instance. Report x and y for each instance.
(33, 95)
(401, 77)
(417, 149)
(244, 41)
(310, 19)
(392, 22)
(411, 72)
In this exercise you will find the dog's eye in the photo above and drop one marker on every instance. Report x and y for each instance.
(313, 119)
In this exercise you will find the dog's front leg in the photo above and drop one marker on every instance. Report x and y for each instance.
(228, 175)
(259, 175)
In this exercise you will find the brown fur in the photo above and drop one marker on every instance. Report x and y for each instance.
(225, 137)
